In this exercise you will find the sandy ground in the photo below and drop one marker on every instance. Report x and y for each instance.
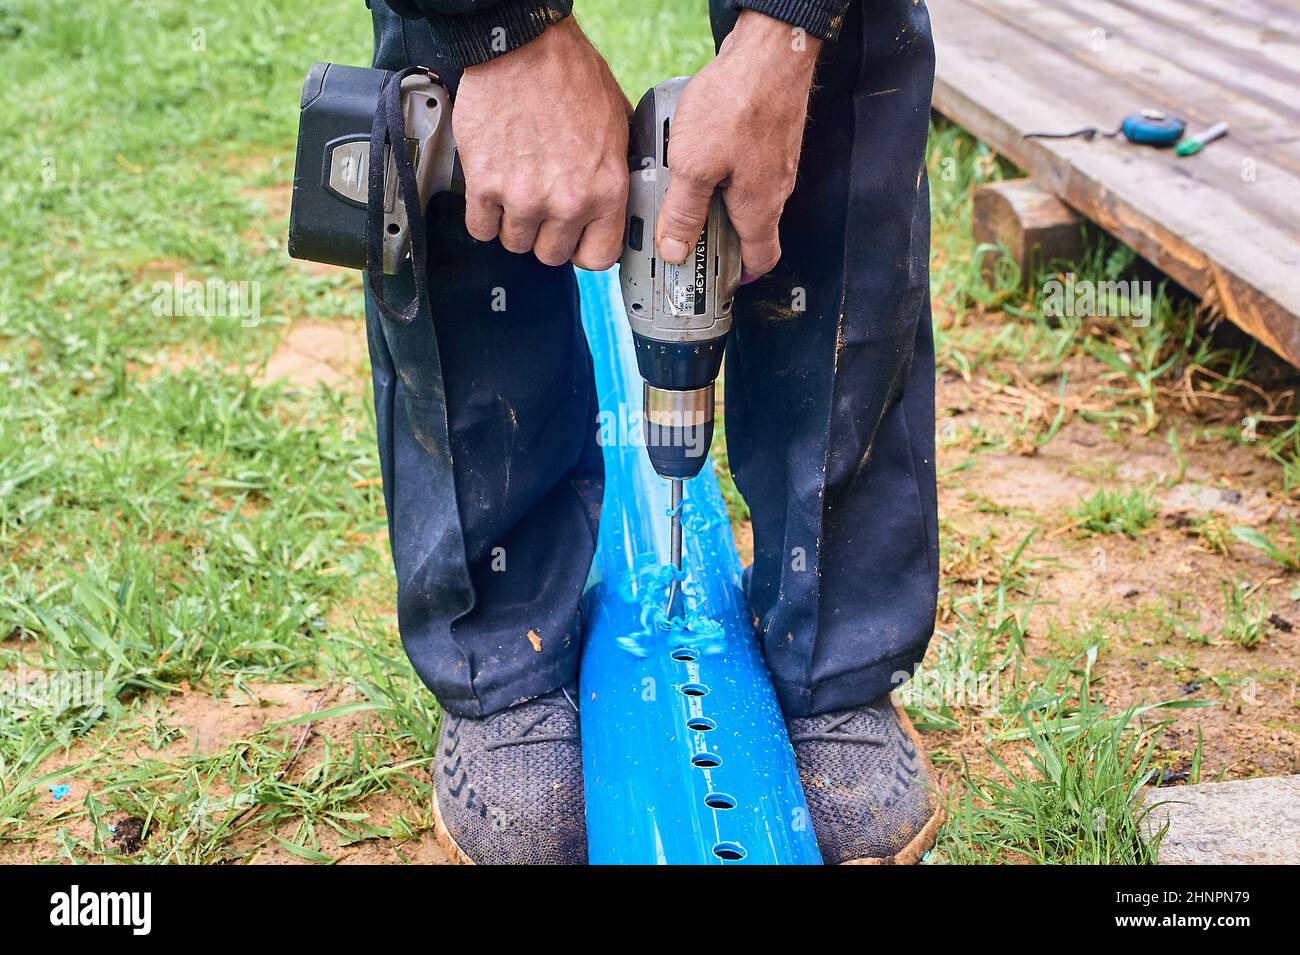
(1124, 590)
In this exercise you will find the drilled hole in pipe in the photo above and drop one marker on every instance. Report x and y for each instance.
(701, 723)
(720, 801)
(686, 654)
(694, 689)
(730, 851)
(706, 760)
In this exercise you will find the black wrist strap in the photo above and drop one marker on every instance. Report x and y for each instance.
(389, 129)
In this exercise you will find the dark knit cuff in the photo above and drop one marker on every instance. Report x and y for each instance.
(820, 18)
(473, 38)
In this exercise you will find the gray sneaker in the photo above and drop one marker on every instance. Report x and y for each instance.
(508, 787)
(869, 785)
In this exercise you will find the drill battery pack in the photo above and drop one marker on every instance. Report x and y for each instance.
(328, 213)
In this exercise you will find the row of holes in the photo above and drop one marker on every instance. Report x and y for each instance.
(727, 851)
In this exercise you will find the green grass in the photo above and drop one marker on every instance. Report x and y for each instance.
(648, 42)
(1245, 617)
(1073, 799)
(1282, 550)
(1117, 512)
(166, 523)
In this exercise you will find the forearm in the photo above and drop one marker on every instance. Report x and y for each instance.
(818, 18)
(469, 32)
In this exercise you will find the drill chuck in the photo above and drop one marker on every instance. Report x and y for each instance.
(678, 429)
(677, 417)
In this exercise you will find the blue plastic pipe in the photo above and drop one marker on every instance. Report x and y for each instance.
(685, 754)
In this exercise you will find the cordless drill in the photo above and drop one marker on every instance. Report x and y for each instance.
(680, 314)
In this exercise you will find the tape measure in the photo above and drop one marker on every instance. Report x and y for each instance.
(1147, 128)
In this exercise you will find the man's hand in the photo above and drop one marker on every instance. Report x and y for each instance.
(542, 133)
(739, 125)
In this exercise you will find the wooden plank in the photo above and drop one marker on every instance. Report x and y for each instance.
(1041, 89)
(1035, 227)
(1264, 12)
(1248, 42)
(1272, 21)
(1151, 79)
(1205, 60)
(1227, 240)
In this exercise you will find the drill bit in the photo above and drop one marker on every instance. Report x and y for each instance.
(675, 550)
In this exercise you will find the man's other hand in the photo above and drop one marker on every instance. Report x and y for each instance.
(542, 133)
(739, 125)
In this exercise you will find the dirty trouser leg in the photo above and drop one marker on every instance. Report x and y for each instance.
(830, 381)
(486, 418)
